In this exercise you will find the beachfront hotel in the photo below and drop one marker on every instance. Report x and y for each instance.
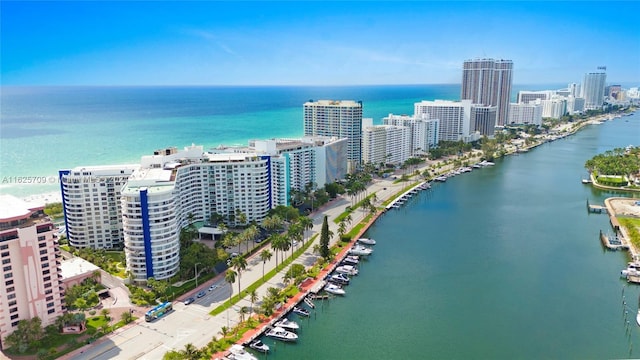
(342, 119)
(593, 90)
(172, 188)
(488, 82)
(91, 204)
(30, 272)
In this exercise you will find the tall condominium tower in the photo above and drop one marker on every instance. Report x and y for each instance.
(342, 119)
(30, 270)
(593, 90)
(488, 82)
(91, 203)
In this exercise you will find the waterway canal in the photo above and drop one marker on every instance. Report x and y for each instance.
(503, 262)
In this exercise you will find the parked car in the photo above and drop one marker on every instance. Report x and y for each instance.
(189, 301)
(201, 294)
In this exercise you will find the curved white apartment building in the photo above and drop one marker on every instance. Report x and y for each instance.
(174, 188)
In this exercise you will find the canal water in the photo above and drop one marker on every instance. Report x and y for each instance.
(500, 263)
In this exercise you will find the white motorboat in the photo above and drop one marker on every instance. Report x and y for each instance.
(281, 334)
(347, 270)
(360, 250)
(351, 260)
(301, 311)
(334, 289)
(258, 345)
(339, 278)
(633, 269)
(309, 303)
(287, 324)
(239, 353)
(367, 241)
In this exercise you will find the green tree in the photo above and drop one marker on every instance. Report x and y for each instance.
(265, 256)
(105, 314)
(190, 352)
(126, 317)
(239, 263)
(253, 297)
(324, 239)
(307, 224)
(229, 277)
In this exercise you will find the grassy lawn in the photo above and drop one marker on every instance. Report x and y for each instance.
(632, 225)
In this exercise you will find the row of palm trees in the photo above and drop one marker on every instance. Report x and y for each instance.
(280, 242)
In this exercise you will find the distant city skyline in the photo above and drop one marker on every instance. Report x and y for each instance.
(312, 43)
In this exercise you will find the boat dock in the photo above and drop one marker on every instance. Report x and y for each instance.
(395, 204)
(597, 209)
(613, 241)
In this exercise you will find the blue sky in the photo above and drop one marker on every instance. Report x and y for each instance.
(312, 43)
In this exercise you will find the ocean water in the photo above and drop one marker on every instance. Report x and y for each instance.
(45, 129)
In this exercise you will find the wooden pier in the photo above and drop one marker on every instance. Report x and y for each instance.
(598, 209)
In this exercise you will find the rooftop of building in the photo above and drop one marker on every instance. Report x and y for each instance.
(334, 103)
(13, 208)
(76, 266)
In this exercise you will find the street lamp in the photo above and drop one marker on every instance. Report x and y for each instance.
(196, 270)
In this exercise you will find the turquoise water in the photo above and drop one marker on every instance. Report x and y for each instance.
(45, 129)
(501, 263)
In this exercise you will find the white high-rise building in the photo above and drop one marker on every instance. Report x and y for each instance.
(30, 269)
(488, 82)
(554, 108)
(172, 188)
(593, 90)
(525, 97)
(91, 203)
(342, 119)
(575, 105)
(169, 191)
(386, 144)
(525, 113)
(374, 145)
(419, 126)
(454, 116)
(483, 119)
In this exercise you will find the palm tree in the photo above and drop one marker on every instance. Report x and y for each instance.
(241, 217)
(243, 311)
(250, 234)
(276, 244)
(105, 313)
(126, 317)
(190, 352)
(307, 224)
(265, 256)
(239, 263)
(253, 297)
(342, 228)
(229, 277)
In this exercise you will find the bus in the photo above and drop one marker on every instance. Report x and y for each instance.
(158, 311)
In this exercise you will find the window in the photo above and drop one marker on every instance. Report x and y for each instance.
(14, 324)
(6, 261)
(8, 275)
(13, 317)
(12, 310)
(51, 311)
(7, 268)
(49, 298)
(10, 282)
(10, 289)
(50, 305)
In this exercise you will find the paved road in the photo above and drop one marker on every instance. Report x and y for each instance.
(192, 323)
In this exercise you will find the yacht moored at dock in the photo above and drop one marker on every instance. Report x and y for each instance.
(281, 334)
(287, 325)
